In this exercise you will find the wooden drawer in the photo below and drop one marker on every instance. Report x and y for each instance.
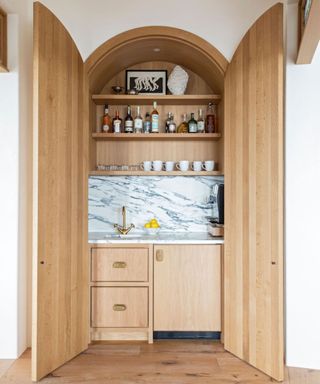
(117, 307)
(119, 264)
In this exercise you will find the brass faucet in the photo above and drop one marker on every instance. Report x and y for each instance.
(123, 229)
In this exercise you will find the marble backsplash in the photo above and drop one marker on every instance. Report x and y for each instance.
(180, 203)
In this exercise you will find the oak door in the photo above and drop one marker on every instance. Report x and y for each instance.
(253, 279)
(60, 270)
(187, 288)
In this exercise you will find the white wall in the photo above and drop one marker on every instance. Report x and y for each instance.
(9, 197)
(302, 205)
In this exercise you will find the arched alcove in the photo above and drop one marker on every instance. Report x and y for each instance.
(137, 45)
(155, 48)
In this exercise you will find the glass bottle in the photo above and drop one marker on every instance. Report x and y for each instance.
(192, 124)
(172, 128)
(117, 123)
(106, 121)
(128, 122)
(200, 122)
(168, 121)
(155, 119)
(211, 120)
(147, 123)
(183, 127)
(137, 123)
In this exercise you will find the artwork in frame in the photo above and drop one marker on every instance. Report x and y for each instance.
(147, 81)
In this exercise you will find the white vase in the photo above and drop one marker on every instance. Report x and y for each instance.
(178, 80)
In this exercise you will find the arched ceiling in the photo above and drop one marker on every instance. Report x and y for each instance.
(156, 44)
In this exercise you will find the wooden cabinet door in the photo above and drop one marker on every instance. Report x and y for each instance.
(187, 288)
(253, 264)
(60, 267)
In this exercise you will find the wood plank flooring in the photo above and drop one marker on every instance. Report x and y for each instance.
(164, 362)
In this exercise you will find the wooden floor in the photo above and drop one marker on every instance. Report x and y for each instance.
(169, 362)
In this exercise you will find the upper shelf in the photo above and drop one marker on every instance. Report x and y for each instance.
(161, 100)
(156, 136)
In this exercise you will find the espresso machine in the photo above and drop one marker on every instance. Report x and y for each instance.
(216, 221)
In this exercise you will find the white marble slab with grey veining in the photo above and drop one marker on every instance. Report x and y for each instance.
(160, 238)
(179, 203)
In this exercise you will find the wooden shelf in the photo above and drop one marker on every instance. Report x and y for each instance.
(154, 173)
(156, 136)
(161, 100)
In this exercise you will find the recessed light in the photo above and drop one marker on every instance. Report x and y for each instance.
(156, 49)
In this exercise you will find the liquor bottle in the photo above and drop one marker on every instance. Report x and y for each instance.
(106, 121)
(155, 119)
(147, 123)
(137, 123)
(183, 127)
(168, 121)
(200, 122)
(128, 122)
(211, 120)
(116, 123)
(172, 128)
(192, 124)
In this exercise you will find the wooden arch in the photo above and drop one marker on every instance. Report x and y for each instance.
(137, 46)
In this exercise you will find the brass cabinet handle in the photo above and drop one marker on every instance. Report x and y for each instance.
(159, 255)
(119, 307)
(119, 264)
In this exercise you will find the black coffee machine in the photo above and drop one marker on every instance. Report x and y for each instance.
(217, 199)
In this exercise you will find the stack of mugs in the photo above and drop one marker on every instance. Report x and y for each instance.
(182, 165)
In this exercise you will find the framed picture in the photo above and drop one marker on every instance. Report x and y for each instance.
(147, 81)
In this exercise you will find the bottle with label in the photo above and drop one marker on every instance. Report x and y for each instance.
(172, 128)
(137, 123)
(192, 124)
(106, 121)
(168, 121)
(211, 120)
(155, 119)
(183, 127)
(147, 123)
(116, 123)
(200, 122)
(128, 122)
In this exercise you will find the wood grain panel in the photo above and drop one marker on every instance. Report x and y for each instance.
(60, 273)
(187, 288)
(3, 42)
(253, 280)
(135, 307)
(105, 264)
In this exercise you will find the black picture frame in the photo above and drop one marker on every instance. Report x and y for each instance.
(147, 87)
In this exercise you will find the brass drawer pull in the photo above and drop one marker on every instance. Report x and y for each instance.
(119, 307)
(119, 264)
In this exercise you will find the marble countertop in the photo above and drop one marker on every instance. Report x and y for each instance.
(160, 238)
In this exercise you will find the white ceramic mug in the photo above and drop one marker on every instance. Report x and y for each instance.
(197, 166)
(157, 165)
(208, 165)
(146, 166)
(168, 166)
(183, 165)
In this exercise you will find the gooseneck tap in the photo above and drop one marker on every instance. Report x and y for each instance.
(123, 229)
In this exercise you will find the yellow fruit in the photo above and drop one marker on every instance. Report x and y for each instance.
(154, 221)
(147, 225)
(154, 225)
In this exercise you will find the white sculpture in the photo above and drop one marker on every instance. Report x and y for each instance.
(178, 80)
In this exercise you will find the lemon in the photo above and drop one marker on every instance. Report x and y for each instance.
(147, 225)
(154, 221)
(154, 225)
